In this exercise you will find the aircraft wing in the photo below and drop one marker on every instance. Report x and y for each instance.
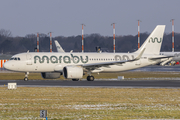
(58, 46)
(105, 64)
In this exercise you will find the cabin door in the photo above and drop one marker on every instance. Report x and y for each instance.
(29, 59)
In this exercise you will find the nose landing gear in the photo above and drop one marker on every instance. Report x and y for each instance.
(26, 76)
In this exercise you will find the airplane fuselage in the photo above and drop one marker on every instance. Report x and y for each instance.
(55, 62)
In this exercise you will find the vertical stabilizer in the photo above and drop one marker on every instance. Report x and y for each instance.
(58, 46)
(153, 43)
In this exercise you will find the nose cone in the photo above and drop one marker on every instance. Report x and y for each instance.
(7, 65)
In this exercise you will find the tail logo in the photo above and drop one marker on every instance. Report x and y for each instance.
(155, 40)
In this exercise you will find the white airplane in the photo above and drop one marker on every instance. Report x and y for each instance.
(74, 65)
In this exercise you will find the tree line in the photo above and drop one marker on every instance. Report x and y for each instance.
(128, 43)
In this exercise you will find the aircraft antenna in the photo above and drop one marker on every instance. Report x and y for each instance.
(113, 36)
(172, 34)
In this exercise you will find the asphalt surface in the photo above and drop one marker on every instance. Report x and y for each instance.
(99, 83)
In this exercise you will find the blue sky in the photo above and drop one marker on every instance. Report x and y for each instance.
(64, 17)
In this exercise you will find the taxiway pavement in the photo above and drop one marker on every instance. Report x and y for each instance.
(99, 83)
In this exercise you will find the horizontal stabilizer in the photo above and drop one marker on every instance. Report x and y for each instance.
(157, 58)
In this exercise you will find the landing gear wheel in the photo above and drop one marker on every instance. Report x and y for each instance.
(25, 79)
(26, 76)
(75, 79)
(90, 78)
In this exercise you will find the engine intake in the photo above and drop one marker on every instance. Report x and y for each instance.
(73, 72)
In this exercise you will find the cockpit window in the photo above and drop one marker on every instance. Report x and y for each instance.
(15, 58)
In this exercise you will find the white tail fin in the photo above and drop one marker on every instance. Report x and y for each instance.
(58, 46)
(153, 43)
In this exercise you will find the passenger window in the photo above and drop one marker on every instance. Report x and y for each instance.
(15, 58)
(12, 59)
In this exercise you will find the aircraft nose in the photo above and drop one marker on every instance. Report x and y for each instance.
(7, 65)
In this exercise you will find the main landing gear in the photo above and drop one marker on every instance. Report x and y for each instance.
(90, 78)
(26, 76)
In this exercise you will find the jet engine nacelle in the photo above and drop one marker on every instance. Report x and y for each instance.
(50, 75)
(73, 72)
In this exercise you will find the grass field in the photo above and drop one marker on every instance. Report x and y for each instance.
(89, 103)
(127, 75)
